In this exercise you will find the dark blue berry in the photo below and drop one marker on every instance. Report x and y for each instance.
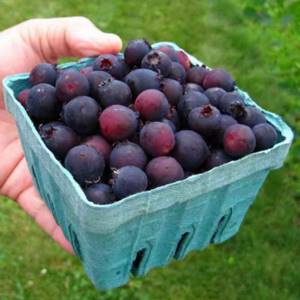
(58, 138)
(205, 120)
(140, 80)
(252, 116)
(190, 150)
(112, 92)
(266, 136)
(82, 114)
(127, 154)
(129, 180)
(157, 61)
(43, 73)
(100, 193)
(42, 103)
(85, 163)
(136, 51)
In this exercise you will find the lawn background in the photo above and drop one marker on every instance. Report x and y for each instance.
(258, 42)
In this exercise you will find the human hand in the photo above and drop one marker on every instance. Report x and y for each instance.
(21, 48)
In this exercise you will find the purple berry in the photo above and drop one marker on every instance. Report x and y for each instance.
(177, 72)
(23, 97)
(196, 75)
(184, 60)
(239, 140)
(232, 104)
(129, 180)
(217, 157)
(169, 51)
(118, 123)
(152, 105)
(266, 136)
(127, 154)
(95, 78)
(163, 170)
(214, 94)
(170, 123)
(205, 120)
(225, 122)
(172, 89)
(100, 144)
(219, 78)
(100, 193)
(86, 71)
(190, 101)
(173, 116)
(136, 51)
(190, 150)
(140, 80)
(193, 87)
(43, 73)
(112, 64)
(252, 116)
(112, 92)
(58, 138)
(42, 103)
(71, 84)
(157, 139)
(157, 61)
(85, 164)
(82, 114)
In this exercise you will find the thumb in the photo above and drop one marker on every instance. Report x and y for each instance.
(62, 37)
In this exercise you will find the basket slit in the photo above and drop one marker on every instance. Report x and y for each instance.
(138, 261)
(75, 242)
(221, 225)
(182, 244)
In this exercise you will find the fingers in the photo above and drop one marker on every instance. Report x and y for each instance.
(31, 202)
(61, 37)
(11, 156)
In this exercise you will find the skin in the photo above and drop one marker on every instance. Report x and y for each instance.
(22, 47)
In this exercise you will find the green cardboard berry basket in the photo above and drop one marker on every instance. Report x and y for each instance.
(148, 229)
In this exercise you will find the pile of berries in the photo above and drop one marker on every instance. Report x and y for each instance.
(127, 124)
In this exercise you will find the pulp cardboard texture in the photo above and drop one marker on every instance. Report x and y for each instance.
(148, 229)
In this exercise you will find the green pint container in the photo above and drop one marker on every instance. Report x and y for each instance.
(148, 229)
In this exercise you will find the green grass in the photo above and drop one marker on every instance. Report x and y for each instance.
(257, 42)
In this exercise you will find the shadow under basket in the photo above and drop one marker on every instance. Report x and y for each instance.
(151, 228)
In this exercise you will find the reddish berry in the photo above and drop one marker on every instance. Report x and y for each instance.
(100, 144)
(184, 60)
(118, 123)
(219, 78)
(152, 105)
(239, 140)
(157, 139)
(163, 170)
(23, 97)
(70, 84)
